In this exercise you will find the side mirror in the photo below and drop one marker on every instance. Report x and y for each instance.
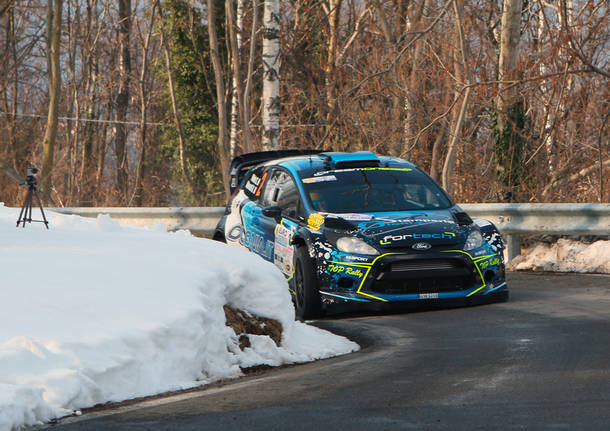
(273, 212)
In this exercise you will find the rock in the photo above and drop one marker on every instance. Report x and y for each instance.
(244, 323)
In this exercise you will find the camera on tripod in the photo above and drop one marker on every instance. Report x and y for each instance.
(26, 210)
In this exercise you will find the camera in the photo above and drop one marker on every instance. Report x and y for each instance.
(30, 176)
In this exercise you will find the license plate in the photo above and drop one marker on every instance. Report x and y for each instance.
(428, 295)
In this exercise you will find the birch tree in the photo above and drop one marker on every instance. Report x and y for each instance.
(271, 75)
(235, 35)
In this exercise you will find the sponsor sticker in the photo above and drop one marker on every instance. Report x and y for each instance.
(315, 220)
(312, 180)
(351, 216)
(283, 251)
(235, 233)
(341, 269)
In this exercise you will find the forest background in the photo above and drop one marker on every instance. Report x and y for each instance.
(144, 103)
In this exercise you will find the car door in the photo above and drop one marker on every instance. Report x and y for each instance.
(255, 235)
(280, 191)
(289, 200)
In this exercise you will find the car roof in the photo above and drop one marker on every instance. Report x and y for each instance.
(307, 165)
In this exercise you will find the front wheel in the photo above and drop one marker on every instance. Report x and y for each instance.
(307, 296)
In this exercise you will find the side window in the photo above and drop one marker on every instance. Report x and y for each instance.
(282, 191)
(288, 198)
(254, 182)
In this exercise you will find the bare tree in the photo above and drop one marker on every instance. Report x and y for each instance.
(448, 167)
(221, 106)
(144, 94)
(122, 100)
(271, 74)
(48, 143)
(507, 68)
(249, 77)
(176, 112)
(333, 12)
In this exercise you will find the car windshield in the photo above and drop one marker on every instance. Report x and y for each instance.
(373, 190)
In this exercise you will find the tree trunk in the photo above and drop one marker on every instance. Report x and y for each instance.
(178, 121)
(235, 28)
(91, 63)
(448, 167)
(509, 44)
(248, 89)
(330, 79)
(545, 90)
(413, 115)
(237, 103)
(48, 142)
(122, 102)
(222, 141)
(271, 75)
(138, 191)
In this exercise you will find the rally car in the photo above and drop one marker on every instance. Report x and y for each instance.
(361, 229)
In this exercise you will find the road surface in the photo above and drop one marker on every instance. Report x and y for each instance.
(540, 361)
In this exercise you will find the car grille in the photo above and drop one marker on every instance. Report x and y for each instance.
(422, 285)
(425, 265)
(417, 276)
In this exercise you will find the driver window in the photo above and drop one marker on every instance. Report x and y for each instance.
(282, 191)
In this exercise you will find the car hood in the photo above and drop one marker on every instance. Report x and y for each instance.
(406, 229)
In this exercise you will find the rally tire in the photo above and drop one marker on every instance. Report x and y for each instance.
(308, 304)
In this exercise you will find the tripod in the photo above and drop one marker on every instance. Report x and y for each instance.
(26, 209)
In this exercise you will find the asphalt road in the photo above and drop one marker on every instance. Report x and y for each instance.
(540, 361)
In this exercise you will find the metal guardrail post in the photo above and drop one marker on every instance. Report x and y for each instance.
(513, 246)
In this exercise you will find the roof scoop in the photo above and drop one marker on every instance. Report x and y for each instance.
(360, 159)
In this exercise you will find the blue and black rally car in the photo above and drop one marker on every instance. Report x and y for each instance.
(357, 228)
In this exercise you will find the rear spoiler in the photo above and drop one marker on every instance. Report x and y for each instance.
(242, 163)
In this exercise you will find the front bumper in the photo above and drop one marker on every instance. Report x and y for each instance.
(400, 277)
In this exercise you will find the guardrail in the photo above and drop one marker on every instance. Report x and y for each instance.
(513, 220)
(199, 220)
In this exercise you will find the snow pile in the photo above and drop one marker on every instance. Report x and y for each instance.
(92, 311)
(566, 255)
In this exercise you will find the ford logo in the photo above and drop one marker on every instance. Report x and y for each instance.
(421, 246)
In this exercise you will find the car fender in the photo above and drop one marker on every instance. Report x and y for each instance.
(233, 231)
(491, 234)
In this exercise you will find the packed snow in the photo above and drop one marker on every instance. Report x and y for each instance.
(94, 311)
(565, 255)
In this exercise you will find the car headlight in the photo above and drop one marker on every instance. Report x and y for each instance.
(353, 245)
(474, 240)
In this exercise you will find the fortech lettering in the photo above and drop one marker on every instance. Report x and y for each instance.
(392, 238)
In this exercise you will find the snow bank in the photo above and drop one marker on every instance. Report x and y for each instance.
(92, 311)
(565, 255)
